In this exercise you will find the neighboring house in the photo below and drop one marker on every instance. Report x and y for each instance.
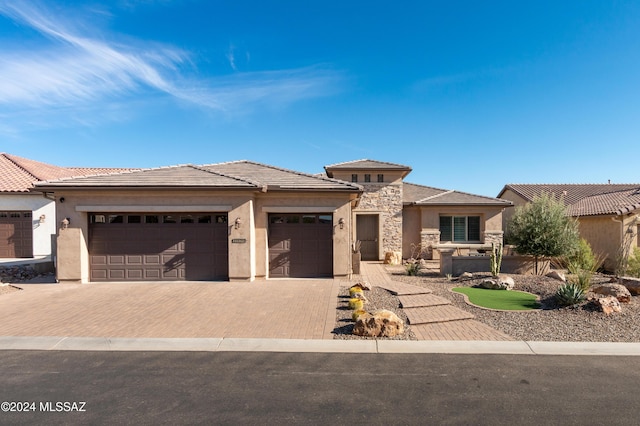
(608, 214)
(244, 220)
(28, 219)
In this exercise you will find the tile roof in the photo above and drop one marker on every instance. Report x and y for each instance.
(182, 176)
(237, 175)
(366, 164)
(424, 195)
(570, 193)
(585, 199)
(275, 178)
(18, 174)
(616, 202)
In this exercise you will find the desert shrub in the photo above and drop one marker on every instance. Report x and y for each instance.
(633, 263)
(543, 229)
(582, 258)
(569, 294)
(582, 279)
(356, 314)
(412, 267)
(356, 304)
(353, 290)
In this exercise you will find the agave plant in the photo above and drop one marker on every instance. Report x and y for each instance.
(412, 267)
(570, 294)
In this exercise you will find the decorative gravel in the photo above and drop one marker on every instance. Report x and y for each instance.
(14, 274)
(580, 323)
(377, 298)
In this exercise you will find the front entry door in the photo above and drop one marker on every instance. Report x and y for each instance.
(367, 233)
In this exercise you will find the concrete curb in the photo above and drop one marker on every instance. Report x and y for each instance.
(47, 343)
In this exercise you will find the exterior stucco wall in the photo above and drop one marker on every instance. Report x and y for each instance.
(38, 205)
(339, 205)
(517, 200)
(610, 236)
(411, 218)
(246, 260)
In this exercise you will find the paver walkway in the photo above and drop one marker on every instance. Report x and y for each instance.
(431, 317)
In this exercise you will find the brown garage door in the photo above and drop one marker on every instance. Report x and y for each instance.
(300, 245)
(150, 247)
(16, 234)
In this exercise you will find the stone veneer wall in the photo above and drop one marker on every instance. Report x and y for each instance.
(387, 199)
(429, 240)
(491, 237)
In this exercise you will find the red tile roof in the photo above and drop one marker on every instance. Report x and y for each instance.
(18, 174)
(585, 199)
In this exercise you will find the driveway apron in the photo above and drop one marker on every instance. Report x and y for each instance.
(289, 309)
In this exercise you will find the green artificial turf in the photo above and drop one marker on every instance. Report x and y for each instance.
(511, 300)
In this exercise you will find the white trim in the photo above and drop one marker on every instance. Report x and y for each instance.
(153, 208)
(284, 209)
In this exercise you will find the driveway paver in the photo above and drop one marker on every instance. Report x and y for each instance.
(289, 309)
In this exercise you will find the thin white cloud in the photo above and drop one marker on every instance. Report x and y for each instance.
(231, 57)
(75, 67)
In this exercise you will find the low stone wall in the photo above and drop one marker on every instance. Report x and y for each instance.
(510, 265)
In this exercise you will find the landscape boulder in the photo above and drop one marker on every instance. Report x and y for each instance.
(501, 282)
(393, 258)
(557, 275)
(381, 323)
(618, 291)
(363, 285)
(632, 284)
(607, 304)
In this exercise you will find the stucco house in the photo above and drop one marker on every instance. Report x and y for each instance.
(244, 220)
(27, 219)
(608, 214)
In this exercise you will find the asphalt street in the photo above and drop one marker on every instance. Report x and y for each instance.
(70, 387)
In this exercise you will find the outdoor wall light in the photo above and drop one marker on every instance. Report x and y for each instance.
(65, 223)
(238, 222)
(42, 218)
(341, 223)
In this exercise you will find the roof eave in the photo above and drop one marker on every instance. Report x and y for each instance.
(53, 188)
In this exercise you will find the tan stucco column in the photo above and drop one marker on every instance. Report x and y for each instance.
(242, 255)
(68, 262)
(342, 241)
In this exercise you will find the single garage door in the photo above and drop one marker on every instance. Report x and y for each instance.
(300, 245)
(16, 234)
(157, 247)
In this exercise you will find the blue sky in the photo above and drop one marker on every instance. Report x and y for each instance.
(472, 95)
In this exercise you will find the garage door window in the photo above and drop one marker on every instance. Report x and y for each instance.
(134, 219)
(153, 219)
(301, 218)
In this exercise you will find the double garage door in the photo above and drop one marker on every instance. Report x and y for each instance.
(300, 245)
(158, 246)
(16, 234)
